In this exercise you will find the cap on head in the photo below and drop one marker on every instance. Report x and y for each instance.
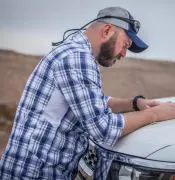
(120, 17)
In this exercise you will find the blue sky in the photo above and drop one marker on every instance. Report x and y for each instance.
(30, 26)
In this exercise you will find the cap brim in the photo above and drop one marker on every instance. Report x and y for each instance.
(137, 44)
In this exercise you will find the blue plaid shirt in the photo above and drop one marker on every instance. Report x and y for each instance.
(61, 106)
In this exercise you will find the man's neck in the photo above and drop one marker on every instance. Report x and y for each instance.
(93, 41)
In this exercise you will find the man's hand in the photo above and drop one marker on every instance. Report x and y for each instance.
(137, 119)
(143, 104)
(165, 111)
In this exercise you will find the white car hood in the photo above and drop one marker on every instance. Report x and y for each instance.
(155, 141)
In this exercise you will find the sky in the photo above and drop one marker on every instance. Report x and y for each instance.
(31, 26)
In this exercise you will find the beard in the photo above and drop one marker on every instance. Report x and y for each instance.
(106, 57)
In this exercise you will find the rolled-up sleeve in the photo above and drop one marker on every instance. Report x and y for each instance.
(78, 79)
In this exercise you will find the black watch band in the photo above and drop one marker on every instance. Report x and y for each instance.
(135, 107)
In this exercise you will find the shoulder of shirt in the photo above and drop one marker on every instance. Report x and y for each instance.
(67, 48)
(71, 50)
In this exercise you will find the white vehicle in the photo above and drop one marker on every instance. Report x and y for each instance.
(147, 154)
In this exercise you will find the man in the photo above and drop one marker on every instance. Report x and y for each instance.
(63, 103)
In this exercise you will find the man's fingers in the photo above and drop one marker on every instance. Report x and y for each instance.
(147, 107)
(154, 103)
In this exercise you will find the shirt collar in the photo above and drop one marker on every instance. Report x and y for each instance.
(82, 39)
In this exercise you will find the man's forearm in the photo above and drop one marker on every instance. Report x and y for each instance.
(120, 105)
(138, 119)
(133, 120)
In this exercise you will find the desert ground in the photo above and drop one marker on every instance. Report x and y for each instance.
(127, 78)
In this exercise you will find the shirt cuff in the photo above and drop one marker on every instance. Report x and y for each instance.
(108, 98)
(116, 128)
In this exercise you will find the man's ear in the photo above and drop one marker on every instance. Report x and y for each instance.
(106, 32)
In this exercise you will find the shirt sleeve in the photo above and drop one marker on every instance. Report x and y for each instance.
(108, 98)
(78, 78)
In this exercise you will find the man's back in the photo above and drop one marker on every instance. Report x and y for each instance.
(47, 140)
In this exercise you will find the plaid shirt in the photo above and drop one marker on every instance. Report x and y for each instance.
(61, 106)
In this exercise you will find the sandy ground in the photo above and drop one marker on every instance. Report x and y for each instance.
(126, 79)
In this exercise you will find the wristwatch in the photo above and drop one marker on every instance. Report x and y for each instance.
(135, 107)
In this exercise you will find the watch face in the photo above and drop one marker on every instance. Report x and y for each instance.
(135, 107)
